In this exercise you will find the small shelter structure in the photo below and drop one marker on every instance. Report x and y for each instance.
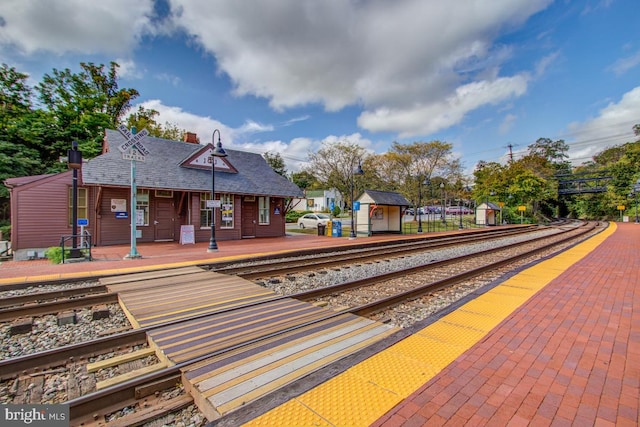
(487, 213)
(380, 212)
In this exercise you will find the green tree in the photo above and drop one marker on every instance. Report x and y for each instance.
(276, 162)
(18, 149)
(305, 180)
(79, 107)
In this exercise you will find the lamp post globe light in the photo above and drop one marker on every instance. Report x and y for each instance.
(358, 171)
(217, 151)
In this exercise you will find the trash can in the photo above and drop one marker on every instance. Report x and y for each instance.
(321, 229)
(336, 229)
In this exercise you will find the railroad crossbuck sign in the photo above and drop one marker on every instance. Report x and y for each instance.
(132, 148)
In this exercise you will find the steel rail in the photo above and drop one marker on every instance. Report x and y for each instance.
(125, 393)
(45, 359)
(56, 306)
(386, 302)
(39, 297)
(364, 254)
(340, 287)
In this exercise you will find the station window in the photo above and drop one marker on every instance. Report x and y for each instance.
(142, 207)
(263, 210)
(226, 210)
(205, 212)
(82, 204)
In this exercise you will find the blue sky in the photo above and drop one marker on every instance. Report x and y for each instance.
(287, 76)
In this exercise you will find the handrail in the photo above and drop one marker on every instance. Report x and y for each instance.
(85, 243)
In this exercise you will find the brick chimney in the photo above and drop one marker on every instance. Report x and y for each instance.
(191, 138)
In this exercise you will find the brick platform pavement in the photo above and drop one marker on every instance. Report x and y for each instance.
(111, 259)
(569, 356)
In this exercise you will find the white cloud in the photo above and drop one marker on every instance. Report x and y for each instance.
(251, 126)
(431, 117)
(295, 152)
(169, 78)
(81, 26)
(507, 123)
(202, 126)
(612, 126)
(623, 65)
(129, 69)
(401, 61)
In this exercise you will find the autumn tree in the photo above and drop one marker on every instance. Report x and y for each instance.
(410, 166)
(334, 165)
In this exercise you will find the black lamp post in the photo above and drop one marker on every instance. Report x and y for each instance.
(471, 203)
(444, 218)
(216, 151)
(75, 162)
(460, 227)
(358, 171)
(636, 190)
(426, 182)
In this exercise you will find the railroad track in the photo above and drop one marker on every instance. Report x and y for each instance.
(362, 254)
(60, 300)
(147, 386)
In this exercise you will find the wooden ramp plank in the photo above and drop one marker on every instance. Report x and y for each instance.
(153, 301)
(213, 333)
(129, 375)
(143, 288)
(124, 278)
(117, 360)
(222, 384)
(209, 367)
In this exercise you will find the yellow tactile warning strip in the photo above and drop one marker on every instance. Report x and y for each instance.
(366, 391)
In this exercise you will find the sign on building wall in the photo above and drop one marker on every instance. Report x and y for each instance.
(118, 205)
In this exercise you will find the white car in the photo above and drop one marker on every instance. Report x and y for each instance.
(311, 220)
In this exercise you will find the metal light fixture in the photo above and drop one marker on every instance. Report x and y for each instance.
(358, 171)
(75, 163)
(217, 151)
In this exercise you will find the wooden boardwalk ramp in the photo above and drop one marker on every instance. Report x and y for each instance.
(247, 343)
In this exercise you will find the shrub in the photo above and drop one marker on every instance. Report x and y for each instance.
(54, 254)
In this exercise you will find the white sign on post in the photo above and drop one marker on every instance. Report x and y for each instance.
(132, 149)
(133, 144)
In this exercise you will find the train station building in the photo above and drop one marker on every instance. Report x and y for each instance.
(173, 192)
